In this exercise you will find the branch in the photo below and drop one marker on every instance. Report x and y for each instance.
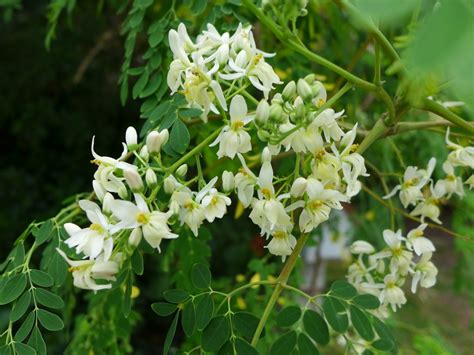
(440, 110)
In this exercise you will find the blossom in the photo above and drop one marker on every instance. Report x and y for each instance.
(189, 211)
(391, 293)
(303, 139)
(245, 181)
(94, 240)
(451, 183)
(413, 180)
(400, 258)
(429, 206)
(233, 138)
(460, 156)
(362, 247)
(85, 272)
(153, 224)
(282, 244)
(213, 202)
(326, 120)
(470, 182)
(417, 242)
(425, 273)
(318, 205)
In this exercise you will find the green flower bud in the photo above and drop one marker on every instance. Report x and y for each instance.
(263, 135)
(262, 113)
(304, 90)
(276, 113)
(289, 91)
(310, 78)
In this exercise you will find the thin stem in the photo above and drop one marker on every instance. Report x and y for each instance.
(375, 133)
(431, 106)
(377, 68)
(280, 284)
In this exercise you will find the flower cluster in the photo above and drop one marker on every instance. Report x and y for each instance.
(419, 189)
(384, 273)
(326, 164)
(199, 68)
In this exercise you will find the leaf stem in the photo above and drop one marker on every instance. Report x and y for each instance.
(440, 110)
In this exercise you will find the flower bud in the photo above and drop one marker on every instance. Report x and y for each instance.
(266, 155)
(107, 203)
(304, 90)
(133, 179)
(263, 112)
(144, 153)
(122, 192)
(276, 113)
(289, 91)
(361, 247)
(263, 135)
(310, 78)
(278, 99)
(299, 187)
(182, 170)
(131, 138)
(228, 182)
(71, 228)
(164, 135)
(98, 190)
(169, 184)
(150, 178)
(300, 108)
(135, 237)
(155, 140)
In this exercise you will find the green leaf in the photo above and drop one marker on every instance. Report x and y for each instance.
(198, 7)
(124, 92)
(337, 320)
(19, 255)
(288, 316)
(170, 119)
(175, 295)
(152, 85)
(44, 233)
(140, 84)
(170, 334)
(215, 334)
(361, 323)
(164, 309)
(179, 137)
(41, 278)
(48, 298)
(190, 112)
(188, 320)
(5, 350)
(383, 344)
(20, 307)
(284, 345)
(57, 268)
(25, 328)
(155, 38)
(316, 327)
(306, 346)
(201, 276)
(244, 348)
(13, 289)
(343, 289)
(383, 332)
(127, 296)
(246, 323)
(137, 262)
(50, 320)
(367, 301)
(23, 349)
(204, 311)
(36, 341)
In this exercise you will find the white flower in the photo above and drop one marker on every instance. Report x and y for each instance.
(391, 293)
(460, 156)
(325, 168)
(233, 138)
(326, 120)
(85, 272)
(282, 244)
(131, 138)
(133, 179)
(302, 140)
(429, 207)
(400, 258)
(298, 187)
(245, 181)
(155, 140)
(267, 211)
(94, 240)
(153, 224)
(451, 183)
(362, 247)
(318, 205)
(470, 182)
(417, 242)
(213, 202)
(425, 273)
(358, 272)
(413, 181)
(189, 211)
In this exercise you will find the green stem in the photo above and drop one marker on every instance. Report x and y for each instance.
(293, 44)
(194, 151)
(280, 285)
(440, 110)
(375, 133)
